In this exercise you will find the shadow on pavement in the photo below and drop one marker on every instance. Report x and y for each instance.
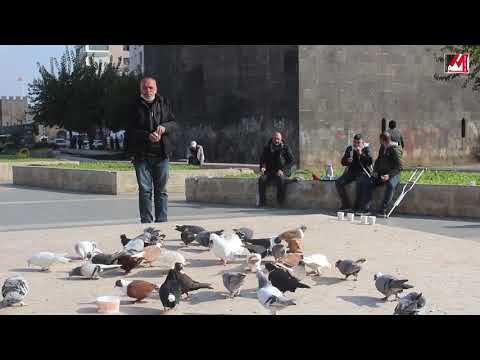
(27, 270)
(153, 273)
(464, 227)
(206, 296)
(325, 280)
(140, 310)
(363, 300)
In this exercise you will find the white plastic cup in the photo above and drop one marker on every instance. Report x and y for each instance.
(372, 220)
(351, 217)
(340, 216)
(364, 220)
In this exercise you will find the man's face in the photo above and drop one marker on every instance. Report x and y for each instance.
(277, 139)
(357, 143)
(148, 88)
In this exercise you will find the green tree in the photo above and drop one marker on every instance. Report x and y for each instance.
(473, 78)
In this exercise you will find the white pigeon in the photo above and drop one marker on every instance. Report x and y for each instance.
(227, 248)
(168, 259)
(269, 296)
(254, 261)
(87, 249)
(45, 259)
(14, 291)
(317, 262)
(91, 271)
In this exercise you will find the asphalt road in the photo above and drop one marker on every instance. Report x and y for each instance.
(24, 208)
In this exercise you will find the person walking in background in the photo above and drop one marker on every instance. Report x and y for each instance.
(195, 154)
(150, 144)
(276, 163)
(395, 134)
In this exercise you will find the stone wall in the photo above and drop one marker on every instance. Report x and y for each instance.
(6, 173)
(229, 98)
(349, 89)
(430, 200)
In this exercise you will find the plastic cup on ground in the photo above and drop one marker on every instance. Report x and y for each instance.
(340, 216)
(372, 220)
(351, 217)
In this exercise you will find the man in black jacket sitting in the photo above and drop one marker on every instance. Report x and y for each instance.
(386, 171)
(150, 144)
(358, 161)
(276, 162)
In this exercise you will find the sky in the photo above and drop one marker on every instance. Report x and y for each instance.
(21, 60)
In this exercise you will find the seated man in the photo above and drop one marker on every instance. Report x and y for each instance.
(275, 165)
(195, 154)
(358, 160)
(386, 171)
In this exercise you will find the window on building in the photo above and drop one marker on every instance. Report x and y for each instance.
(126, 61)
(98, 47)
(126, 47)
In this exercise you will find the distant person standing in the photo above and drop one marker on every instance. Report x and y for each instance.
(195, 154)
(150, 144)
(395, 134)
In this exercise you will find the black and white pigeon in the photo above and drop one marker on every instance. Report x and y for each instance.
(269, 296)
(244, 233)
(14, 290)
(190, 228)
(187, 237)
(411, 304)
(187, 284)
(170, 292)
(91, 271)
(203, 238)
(350, 267)
(283, 280)
(149, 237)
(86, 248)
(257, 249)
(233, 282)
(389, 285)
(107, 259)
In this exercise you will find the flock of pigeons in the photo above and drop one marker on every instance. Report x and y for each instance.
(278, 262)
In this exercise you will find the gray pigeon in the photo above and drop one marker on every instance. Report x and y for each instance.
(244, 233)
(106, 259)
(91, 271)
(187, 237)
(269, 296)
(349, 267)
(389, 285)
(203, 238)
(233, 282)
(190, 228)
(279, 251)
(14, 291)
(410, 304)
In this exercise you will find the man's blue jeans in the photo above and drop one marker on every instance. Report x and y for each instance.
(152, 174)
(369, 184)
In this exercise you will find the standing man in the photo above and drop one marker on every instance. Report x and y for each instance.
(276, 162)
(386, 171)
(395, 134)
(358, 161)
(149, 132)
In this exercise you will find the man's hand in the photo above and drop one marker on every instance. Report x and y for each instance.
(350, 160)
(161, 130)
(154, 137)
(385, 177)
(279, 173)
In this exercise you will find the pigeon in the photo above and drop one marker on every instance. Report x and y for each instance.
(124, 240)
(128, 262)
(91, 271)
(265, 242)
(187, 284)
(156, 236)
(283, 280)
(136, 245)
(349, 267)
(14, 290)
(299, 272)
(149, 254)
(203, 238)
(227, 248)
(170, 291)
(296, 234)
(291, 260)
(45, 259)
(279, 251)
(411, 304)
(316, 262)
(106, 259)
(137, 289)
(86, 248)
(295, 246)
(168, 259)
(254, 261)
(233, 282)
(189, 228)
(244, 234)
(187, 237)
(257, 249)
(269, 296)
(389, 285)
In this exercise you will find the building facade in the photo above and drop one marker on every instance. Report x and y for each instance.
(230, 98)
(14, 111)
(136, 59)
(103, 54)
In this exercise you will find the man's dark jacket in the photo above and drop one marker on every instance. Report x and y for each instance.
(365, 160)
(389, 162)
(145, 119)
(277, 158)
(397, 137)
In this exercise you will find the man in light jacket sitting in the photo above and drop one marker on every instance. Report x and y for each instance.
(195, 154)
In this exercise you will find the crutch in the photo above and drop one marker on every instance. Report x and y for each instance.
(414, 178)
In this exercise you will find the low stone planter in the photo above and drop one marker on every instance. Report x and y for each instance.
(6, 172)
(102, 181)
(429, 200)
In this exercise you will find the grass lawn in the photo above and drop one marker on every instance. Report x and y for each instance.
(118, 166)
(15, 158)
